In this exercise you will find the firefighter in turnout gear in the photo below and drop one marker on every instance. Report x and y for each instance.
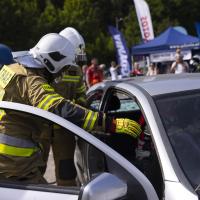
(19, 133)
(69, 83)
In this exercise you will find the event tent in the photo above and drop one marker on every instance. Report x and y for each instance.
(169, 40)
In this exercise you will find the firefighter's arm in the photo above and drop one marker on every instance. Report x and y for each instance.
(95, 121)
(98, 121)
(43, 96)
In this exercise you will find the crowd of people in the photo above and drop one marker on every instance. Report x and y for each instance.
(95, 73)
(179, 65)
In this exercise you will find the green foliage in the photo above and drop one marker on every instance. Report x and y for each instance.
(49, 20)
(17, 19)
(24, 22)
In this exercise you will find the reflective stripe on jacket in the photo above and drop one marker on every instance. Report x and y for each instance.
(13, 146)
(90, 121)
(70, 85)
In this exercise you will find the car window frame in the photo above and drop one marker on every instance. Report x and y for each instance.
(91, 96)
(109, 91)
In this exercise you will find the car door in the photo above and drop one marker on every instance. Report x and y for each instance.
(119, 103)
(127, 182)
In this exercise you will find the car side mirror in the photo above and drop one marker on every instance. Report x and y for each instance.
(105, 186)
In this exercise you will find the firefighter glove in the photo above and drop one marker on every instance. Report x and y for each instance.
(127, 126)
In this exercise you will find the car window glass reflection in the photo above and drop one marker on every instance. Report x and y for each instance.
(181, 118)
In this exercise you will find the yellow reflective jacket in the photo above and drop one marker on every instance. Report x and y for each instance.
(27, 86)
(70, 84)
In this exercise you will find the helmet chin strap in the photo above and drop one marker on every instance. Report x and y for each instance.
(48, 75)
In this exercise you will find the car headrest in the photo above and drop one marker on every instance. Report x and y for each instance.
(114, 103)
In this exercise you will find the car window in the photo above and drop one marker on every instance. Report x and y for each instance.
(120, 104)
(126, 103)
(92, 162)
(94, 100)
(181, 118)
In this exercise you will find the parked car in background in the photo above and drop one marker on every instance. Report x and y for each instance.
(170, 105)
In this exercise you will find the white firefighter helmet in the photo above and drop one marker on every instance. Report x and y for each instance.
(77, 40)
(54, 52)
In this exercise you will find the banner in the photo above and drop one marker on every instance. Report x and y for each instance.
(144, 19)
(197, 26)
(123, 55)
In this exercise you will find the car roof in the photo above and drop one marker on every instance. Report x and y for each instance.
(157, 84)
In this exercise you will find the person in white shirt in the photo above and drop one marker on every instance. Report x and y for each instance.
(114, 71)
(179, 65)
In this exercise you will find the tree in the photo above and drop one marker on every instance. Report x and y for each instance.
(17, 19)
(89, 19)
(48, 20)
(24, 22)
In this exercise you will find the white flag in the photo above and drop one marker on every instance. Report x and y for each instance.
(144, 19)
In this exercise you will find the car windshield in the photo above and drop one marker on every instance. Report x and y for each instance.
(180, 114)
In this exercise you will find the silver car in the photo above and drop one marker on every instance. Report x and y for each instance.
(168, 170)
(170, 105)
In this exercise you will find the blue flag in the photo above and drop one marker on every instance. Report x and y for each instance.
(123, 55)
(197, 26)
